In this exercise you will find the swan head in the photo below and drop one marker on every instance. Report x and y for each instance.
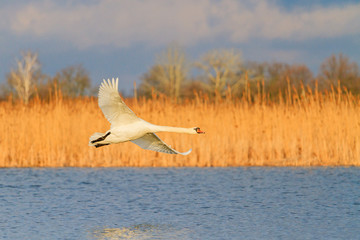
(198, 131)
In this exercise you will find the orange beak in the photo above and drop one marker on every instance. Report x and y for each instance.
(199, 131)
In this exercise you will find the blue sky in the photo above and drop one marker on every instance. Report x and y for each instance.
(121, 38)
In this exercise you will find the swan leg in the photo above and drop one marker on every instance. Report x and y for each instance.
(101, 139)
(101, 144)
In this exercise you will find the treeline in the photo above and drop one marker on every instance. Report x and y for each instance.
(223, 72)
(216, 74)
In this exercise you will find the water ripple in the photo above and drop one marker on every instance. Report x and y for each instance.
(180, 203)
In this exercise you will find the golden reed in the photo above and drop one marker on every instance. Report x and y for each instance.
(299, 129)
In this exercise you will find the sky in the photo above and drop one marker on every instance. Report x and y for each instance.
(121, 38)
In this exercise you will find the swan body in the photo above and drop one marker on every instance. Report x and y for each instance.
(126, 126)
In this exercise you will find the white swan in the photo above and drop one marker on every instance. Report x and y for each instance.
(126, 126)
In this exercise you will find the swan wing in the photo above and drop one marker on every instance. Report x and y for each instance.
(151, 141)
(111, 104)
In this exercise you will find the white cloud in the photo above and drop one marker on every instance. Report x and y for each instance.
(122, 23)
(119, 23)
(266, 20)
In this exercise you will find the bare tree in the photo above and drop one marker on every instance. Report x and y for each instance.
(339, 68)
(153, 79)
(73, 81)
(220, 68)
(21, 79)
(278, 75)
(299, 74)
(167, 75)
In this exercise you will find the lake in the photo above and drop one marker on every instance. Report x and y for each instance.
(180, 203)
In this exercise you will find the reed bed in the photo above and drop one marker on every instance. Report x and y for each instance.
(298, 129)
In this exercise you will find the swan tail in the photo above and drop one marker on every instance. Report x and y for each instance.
(97, 138)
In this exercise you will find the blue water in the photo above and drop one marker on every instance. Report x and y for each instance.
(180, 203)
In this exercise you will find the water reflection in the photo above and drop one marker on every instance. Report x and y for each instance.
(140, 232)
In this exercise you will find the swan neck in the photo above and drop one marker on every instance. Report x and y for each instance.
(173, 129)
